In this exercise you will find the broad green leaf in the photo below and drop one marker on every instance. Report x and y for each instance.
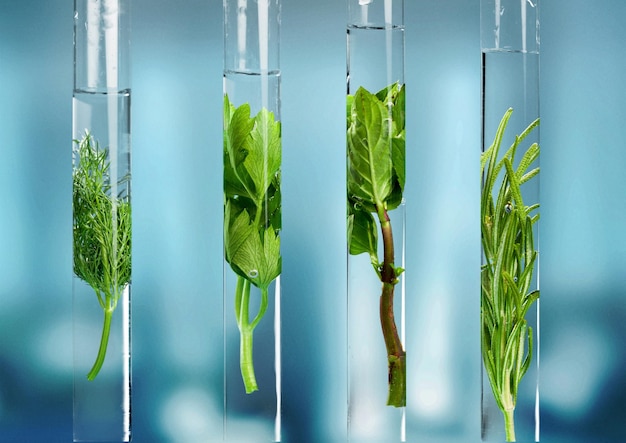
(387, 93)
(233, 185)
(272, 258)
(236, 231)
(236, 138)
(264, 152)
(398, 154)
(363, 234)
(393, 98)
(271, 205)
(369, 150)
(259, 259)
(398, 112)
(349, 101)
(237, 132)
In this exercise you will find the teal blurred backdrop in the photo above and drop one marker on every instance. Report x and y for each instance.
(177, 210)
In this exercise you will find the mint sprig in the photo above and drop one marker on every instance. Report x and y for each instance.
(252, 216)
(376, 178)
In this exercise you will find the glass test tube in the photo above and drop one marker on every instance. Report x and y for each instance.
(510, 329)
(252, 221)
(376, 221)
(101, 221)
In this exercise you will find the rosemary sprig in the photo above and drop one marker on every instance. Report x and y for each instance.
(101, 232)
(507, 273)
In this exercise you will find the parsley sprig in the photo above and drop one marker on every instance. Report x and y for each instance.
(252, 216)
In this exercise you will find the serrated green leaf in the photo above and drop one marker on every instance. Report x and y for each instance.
(264, 152)
(259, 259)
(272, 258)
(252, 215)
(273, 203)
(237, 230)
(237, 127)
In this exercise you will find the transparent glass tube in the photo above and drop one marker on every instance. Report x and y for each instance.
(252, 221)
(101, 190)
(376, 221)
(510, 220)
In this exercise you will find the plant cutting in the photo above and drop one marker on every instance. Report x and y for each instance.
(252, 216)
(101, 232)
(507, 273)
(375, 183)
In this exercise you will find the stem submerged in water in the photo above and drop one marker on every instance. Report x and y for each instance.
(246, 361)
(104, 341)
(375, 183)
(396, 356)
(102, 230)
(509, 424)
(246, 330)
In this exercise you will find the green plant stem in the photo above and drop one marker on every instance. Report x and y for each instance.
(396, 356)
(509, 424)
(246, 360)
(104, 341)
(246, 330)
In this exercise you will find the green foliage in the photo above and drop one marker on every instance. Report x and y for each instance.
(252, 218)
(101, 231)
(506, 277)
(376, 178)
(376, 163)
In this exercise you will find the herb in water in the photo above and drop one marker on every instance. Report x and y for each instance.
(507, 275)
(376, 176)
(101, 232)
(252, 218)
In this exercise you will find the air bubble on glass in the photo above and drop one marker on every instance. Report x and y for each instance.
(253, 273)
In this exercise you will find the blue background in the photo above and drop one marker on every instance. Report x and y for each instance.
(177, 217)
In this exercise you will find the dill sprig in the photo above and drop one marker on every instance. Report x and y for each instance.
(507, 273)
(101, 232)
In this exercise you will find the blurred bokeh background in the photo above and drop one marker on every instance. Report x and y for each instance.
(177, 208)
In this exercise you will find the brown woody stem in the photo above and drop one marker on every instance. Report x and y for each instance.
(396, 356)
